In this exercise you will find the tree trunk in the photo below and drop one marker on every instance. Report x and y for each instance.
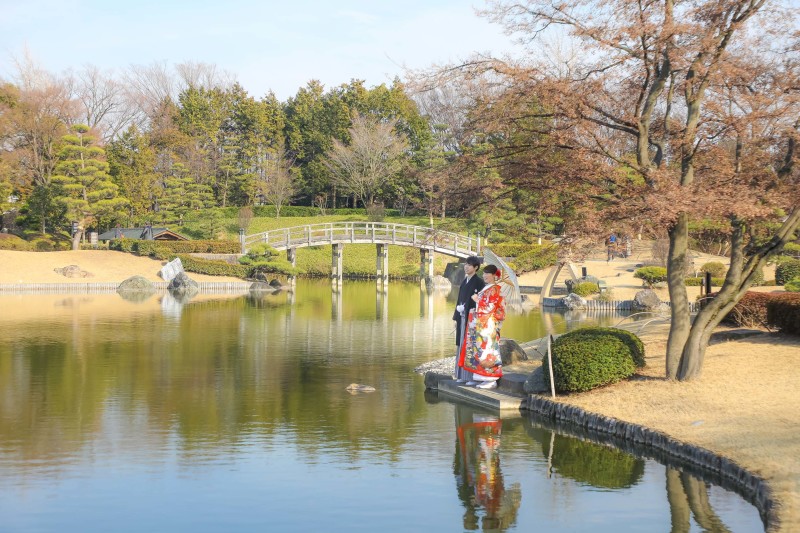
(76, 239)
(676, 269)
(697, 496)
(685, 356)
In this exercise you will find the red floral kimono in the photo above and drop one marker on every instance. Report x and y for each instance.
(480, 354)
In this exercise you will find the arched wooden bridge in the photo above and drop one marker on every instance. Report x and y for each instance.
(337, 234)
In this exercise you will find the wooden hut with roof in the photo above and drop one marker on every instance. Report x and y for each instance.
(146, 233)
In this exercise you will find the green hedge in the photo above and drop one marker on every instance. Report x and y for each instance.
(783, 313)
(167, 249)
(591, 357)
(651, 274)
(585, 288)
(787, 270)
(792, 286)
(213, 268)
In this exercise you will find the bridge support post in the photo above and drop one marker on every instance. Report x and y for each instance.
(426, 265)
(336, 262)
(382, 264)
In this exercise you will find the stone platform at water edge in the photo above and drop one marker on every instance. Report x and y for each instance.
(509, 396)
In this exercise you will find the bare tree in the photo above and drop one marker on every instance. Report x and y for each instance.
(275, 181)
(675, 110)
(370, 160)
(103, 101)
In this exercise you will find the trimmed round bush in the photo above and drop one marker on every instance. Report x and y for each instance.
(591, 357)
(792, 286)
(717, 269)
(787, 270)
(651, 275)
(585, 288)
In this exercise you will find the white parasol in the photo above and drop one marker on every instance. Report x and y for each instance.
(509, 287)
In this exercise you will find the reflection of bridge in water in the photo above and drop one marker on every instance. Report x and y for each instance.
(353, 338)
(381, 234)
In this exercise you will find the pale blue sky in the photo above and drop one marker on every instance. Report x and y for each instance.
(266, 45)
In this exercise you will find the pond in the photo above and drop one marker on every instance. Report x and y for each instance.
(229, 413)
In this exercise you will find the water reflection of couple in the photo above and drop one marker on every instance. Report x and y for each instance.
(479, 480)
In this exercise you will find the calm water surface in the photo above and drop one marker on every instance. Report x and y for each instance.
(230, 414)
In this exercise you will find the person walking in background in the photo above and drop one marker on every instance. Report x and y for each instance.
(481, 353)
(611, 245)
(470, 286)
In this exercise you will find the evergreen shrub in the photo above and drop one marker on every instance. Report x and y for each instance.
(783, 313)
(585, 288)
(792, 286)
(698, 281)
(715, 268)
(213, 268)
(262, 258)
(591, 357)
(787, 270)
(651, 274)
(12, 242)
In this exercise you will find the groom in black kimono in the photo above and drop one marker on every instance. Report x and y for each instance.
(472, 284)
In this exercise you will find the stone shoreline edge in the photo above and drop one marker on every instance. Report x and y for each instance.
(754, 488)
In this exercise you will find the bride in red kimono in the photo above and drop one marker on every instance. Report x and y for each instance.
(481, 353)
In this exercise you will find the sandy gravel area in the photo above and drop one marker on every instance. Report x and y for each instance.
(102, 265)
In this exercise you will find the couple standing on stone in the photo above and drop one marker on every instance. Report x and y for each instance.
(480, 312)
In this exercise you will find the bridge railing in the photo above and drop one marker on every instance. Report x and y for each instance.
(367, 232)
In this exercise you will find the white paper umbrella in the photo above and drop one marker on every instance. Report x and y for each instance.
(509, 286)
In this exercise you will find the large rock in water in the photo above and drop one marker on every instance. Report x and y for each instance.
(182, 285)
(511, 352)
(647, 300)
(573, 301)
(136, 284)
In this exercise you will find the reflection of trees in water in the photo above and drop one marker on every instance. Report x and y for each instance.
(606, 466)
(488, 505)
(219, 373)
(594, 464)
(688, 496)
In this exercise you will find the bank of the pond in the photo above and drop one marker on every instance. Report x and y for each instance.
(744, 409)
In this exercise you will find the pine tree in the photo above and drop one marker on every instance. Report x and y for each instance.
(85, 188)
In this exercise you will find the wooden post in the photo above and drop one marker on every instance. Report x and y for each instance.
(550, 365)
